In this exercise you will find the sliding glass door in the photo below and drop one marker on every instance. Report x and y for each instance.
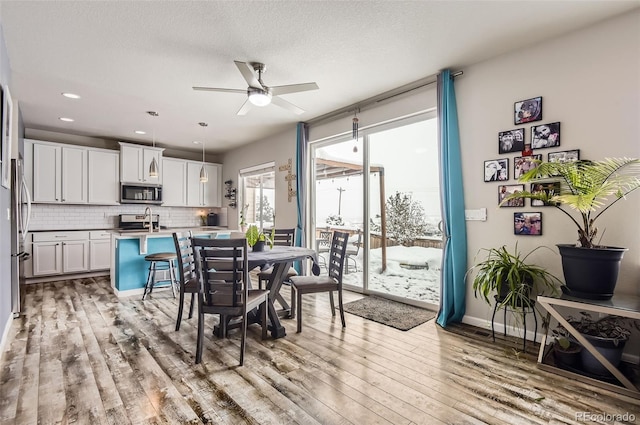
(384, 191)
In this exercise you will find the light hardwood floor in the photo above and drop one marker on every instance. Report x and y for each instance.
(80, 355)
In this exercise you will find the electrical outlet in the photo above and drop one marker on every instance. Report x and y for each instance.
(8, 213)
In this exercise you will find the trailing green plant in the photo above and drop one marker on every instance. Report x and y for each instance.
(254, 235)
(585, 187)
(509, 275)
(611, 327)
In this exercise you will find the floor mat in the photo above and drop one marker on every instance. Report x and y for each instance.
(391, 313)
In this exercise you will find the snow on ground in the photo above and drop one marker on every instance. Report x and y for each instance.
(410, 281)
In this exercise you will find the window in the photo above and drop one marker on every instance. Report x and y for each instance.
(258, 200)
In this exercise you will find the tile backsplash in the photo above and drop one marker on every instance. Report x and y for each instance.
(77, 217)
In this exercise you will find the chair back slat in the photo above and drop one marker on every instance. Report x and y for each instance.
(185, 258)
(337, 255)
(222, 268)
(282, 237)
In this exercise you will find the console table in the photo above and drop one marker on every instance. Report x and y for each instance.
(619, 305)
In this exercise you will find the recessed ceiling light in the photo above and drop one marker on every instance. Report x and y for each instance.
(196, 142)
(140, 132)
(71, 95)
(66, 119)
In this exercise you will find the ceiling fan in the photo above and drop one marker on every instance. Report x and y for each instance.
(258, 93)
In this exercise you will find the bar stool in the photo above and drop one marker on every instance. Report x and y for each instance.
(158, 262)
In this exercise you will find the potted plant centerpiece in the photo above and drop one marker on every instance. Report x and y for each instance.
(257, 239)
(589, 188)
(511, 278)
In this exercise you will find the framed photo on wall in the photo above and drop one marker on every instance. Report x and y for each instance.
(549, 189)
(528, 110)
(545, 135)
(511, 141)
(509, 189)
(6, 138)
(522, 164)
(496, 170)
(527, 223)
(564, 156)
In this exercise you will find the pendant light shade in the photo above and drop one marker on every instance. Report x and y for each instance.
(153, 167)
(204, 177)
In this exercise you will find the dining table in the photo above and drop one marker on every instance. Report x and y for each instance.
(281, 258)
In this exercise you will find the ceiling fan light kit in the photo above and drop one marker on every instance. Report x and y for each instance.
(259, 97)
(258, 93)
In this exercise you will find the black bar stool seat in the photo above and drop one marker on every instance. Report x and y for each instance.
(160, 261)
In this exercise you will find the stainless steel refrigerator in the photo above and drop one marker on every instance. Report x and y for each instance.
(20, 216)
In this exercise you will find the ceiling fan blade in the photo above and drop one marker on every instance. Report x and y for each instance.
(293, 88)
(245, 108)
(222, 90)
(247, 72)
(286, 105)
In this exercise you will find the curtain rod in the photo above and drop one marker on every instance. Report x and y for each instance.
(372, 101)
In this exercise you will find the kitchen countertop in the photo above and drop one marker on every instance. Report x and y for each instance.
(167, 231)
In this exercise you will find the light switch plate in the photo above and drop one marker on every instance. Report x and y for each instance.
(479, 214)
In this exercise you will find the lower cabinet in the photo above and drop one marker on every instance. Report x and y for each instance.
(70, 252)
(99, 250)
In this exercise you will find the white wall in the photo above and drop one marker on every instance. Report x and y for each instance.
(278, 149)
(590, 82)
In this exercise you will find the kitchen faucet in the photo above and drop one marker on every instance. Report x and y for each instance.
(148, 211)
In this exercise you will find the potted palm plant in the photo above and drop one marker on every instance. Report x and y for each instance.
(589, 188)
(511, 278)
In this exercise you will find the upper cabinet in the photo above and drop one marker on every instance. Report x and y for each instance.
(59, 172)
(104, 177)
(135, 161)
(174, 187)
(205, 194)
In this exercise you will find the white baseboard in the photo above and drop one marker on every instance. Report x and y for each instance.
(138, 291)
(516, 331)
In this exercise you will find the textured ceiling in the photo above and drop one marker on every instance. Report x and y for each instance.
(125, 58)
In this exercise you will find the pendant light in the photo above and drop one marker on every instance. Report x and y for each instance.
(354, 130)
(153, 167)
(204, 177)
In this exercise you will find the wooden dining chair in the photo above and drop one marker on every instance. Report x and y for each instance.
(326, 283)
(323, 245)
(281, 237)
(222, 267)
(187, 277)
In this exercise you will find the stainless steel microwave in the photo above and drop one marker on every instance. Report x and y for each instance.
(131, 193)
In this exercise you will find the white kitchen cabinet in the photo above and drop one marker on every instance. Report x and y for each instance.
(60, 252)
(75, 256)
(59, 173)
(99, 250)
(135, 161)
(212, 189)
(47, 258)
(104, 177)
(203, 194)
(174, 187)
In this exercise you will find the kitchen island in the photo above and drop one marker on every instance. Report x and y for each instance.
(128, 267)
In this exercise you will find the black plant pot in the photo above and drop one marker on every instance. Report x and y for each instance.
(569, 356)
(590, 273)
(258, 246)
(605, 346)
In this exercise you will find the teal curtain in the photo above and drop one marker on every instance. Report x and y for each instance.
(302, 141)
(454, 256)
